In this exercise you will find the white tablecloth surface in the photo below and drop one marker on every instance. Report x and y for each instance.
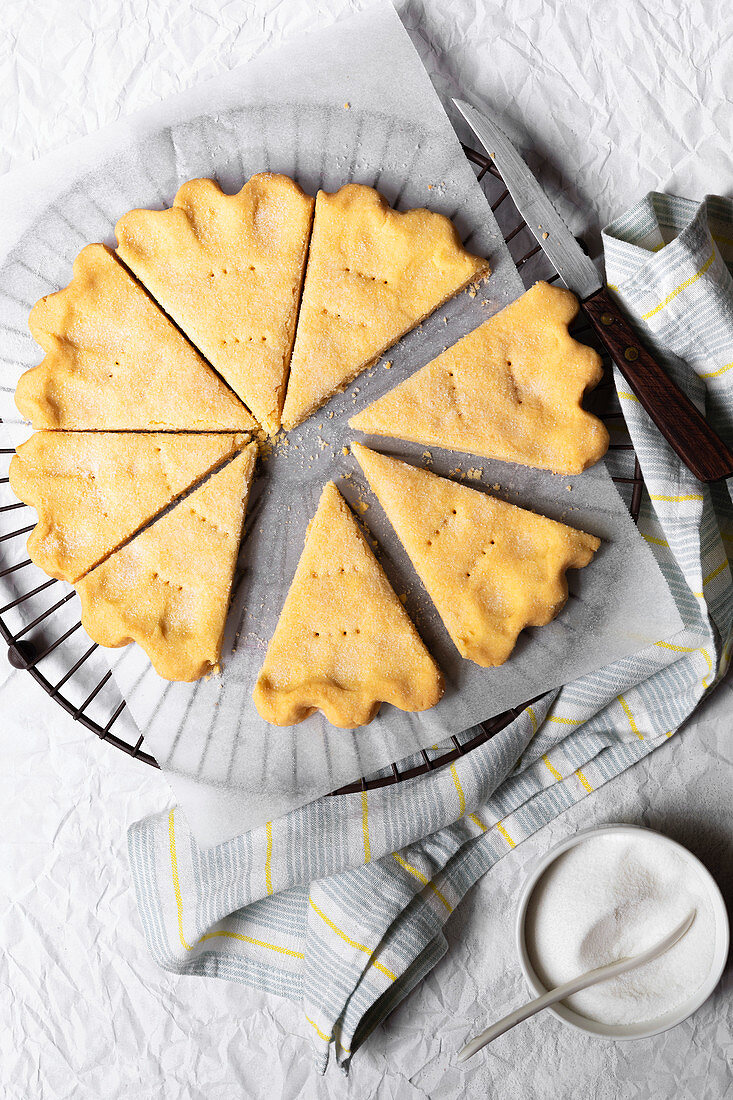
(612, 101)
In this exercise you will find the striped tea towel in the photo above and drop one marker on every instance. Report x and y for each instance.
(340, 905)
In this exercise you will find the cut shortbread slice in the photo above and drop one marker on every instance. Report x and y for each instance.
(344, 643)
(115, 361)
(512, 389)
(373, 275)
(228, 269)
(168, 589)
(490, 568)
(92, 490)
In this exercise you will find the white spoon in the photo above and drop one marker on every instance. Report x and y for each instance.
(583, 981)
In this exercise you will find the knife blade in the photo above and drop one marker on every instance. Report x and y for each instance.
(684, 427)
(568, 258)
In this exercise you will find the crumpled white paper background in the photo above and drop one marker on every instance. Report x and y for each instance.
(613, 101)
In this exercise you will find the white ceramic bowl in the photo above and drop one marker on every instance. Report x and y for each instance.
(660, 1023)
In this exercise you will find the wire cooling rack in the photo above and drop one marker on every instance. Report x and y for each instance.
(34, 640)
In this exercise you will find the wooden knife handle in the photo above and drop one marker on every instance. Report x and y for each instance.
(685, 429)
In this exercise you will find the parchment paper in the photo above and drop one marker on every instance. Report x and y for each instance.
(352, 103)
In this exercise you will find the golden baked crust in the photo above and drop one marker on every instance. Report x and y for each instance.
(114, 360)
(228, 269)
(512, 389)
(168, 589)
(490, 568)
(373, 275)
(92, 490)
(344, 643)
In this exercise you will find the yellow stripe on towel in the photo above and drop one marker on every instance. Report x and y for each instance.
(268, 857)
(348, 939)
(678, 289)
(459, 789)
(176, 883)
(505, 834)
(365, 826)
(552, 770)
(630, 717)
(423, 879)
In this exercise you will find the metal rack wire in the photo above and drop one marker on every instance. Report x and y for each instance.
(34, 641)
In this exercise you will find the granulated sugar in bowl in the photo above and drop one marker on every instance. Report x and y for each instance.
(610, 893)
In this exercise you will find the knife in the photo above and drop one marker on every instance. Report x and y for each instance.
(685, 429)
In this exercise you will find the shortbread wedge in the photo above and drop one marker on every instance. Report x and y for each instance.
(490, 568)
(92, 490)
(228, 269)
(114, 361)
(168, 589)
(373, 275)
(344, 643)
(512, 389)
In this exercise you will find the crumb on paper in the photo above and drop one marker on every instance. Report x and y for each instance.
(569, 488)
(545, 236)
(472, 292)
(388, 365)
(345, 450)
(445, 320)
(347, 106)
(330, 416)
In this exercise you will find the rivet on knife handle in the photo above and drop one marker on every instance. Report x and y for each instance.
(685, 429)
